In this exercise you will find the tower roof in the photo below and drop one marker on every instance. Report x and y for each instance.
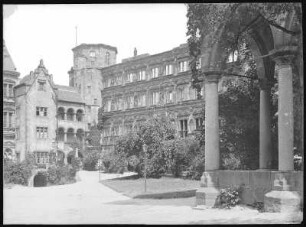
(8, 64)
(83, 45)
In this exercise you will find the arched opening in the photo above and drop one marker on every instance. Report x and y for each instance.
(70, 135)
(60, 157)
(61, 113)
(60, 134)
(40, 180)
(70, 114)
(8, 154)
(79, 115)
(80, 135)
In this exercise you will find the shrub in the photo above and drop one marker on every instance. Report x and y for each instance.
(53, 177)
(76, 163)
(61, 174)
(19, 173)
(90, 160)
(229, 197)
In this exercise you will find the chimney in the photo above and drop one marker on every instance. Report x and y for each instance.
(135, 52)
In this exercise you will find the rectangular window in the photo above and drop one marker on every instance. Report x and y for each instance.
(10, 120)
(41, 111)
(5, 89)
(199, 123)
(11, 94)
(183, 66)
(129, 78)
(5, 119)
(169, 97)
(95, 102)
(155, 98)
(169, 69)
(183, 128)
(154, 72)
(142, 75)
(89, 89)
(41, 85)
(41, 132)
(42, 157)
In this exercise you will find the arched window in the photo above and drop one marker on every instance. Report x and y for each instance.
(70, 114)
(70, 135)
(107, 58)
(60, 134)
(80, 134)
(79, 115)
(61, 113)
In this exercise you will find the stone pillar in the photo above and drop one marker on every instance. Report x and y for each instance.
(285, 111)
(265, 139)
(65, 116)
(208, 193)
(65, 137)
(212, 153)
(282, 197)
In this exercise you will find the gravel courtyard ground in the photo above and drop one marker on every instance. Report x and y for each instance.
(89, 202)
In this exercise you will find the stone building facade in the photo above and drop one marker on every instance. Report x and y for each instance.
(10, 79)
(48, 117)
(147, 85)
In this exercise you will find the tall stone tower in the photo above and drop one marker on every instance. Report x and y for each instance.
(86, 76)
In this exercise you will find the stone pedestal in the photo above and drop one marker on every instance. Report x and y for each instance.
(208, 193)
(282, 198)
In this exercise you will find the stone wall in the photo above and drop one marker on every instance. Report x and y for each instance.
(257, 183)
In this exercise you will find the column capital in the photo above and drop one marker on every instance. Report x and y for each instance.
(264, 83)
(212, 76)
(284, 56)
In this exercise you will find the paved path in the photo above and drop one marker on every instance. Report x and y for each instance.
(89, 202)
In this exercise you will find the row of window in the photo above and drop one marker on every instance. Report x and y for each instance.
(41, 111)
(141, 74)
(118, 130)
(42, 132)
(69, 115)
(155, 98)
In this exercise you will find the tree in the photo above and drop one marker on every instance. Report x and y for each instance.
(228, 24)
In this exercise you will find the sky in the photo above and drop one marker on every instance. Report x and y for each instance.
(48, 32)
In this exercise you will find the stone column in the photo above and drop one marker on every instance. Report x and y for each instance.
(284, 197)
(65, 116)
(65, 137)
(285, 111)
(265, 139)
(212, 153)
(208, 193)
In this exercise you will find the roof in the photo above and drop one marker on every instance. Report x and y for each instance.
(28, 79)
(8, 64)
(96, 45)
(68, 94)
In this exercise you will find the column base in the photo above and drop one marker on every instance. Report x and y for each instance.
(207, 196)
(282, 198)
(282, 201)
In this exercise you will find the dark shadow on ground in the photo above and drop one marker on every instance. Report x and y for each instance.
(158, 202)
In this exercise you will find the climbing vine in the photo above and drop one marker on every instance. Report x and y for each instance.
(227, 24)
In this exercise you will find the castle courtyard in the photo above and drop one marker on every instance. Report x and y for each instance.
(89, 202)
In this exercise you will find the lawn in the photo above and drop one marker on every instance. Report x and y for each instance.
(134, 187)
